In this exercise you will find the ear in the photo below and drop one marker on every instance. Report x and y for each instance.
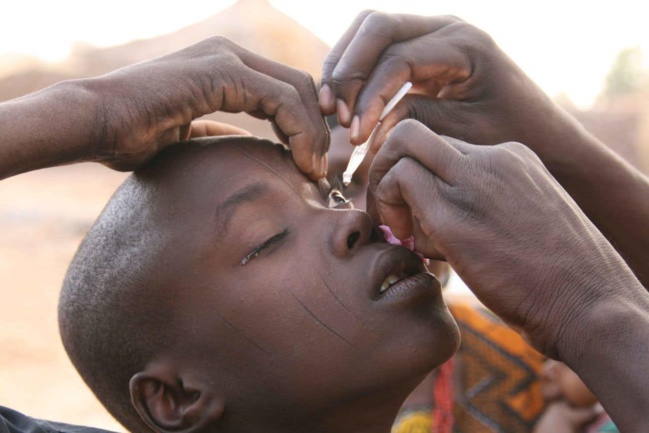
(167, 404)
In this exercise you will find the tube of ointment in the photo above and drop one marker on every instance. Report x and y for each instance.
(360, 151)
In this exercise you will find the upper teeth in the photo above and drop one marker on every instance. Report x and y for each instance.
(388, 282)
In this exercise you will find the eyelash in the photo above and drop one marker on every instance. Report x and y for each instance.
(258, 249)
(334, 192)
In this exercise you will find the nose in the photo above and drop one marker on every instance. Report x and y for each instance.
(353, 229)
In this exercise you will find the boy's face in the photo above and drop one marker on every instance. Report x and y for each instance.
(276, 286)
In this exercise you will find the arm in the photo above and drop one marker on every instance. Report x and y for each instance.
(467, 88)
(526, 250)
(123, 118)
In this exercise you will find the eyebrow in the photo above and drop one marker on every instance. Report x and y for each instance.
(247, 194)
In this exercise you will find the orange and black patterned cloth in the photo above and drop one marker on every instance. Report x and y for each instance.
(490, 385)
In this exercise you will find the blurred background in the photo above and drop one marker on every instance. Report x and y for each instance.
(588, 56)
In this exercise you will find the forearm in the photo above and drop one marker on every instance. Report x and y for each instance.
(54, 126)
(609, 352)
(612, 193)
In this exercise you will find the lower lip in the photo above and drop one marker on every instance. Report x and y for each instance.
(422, 284)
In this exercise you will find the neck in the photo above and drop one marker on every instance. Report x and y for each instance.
(371, 413)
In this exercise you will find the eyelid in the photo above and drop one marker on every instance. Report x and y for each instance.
(273, 240)
(338, 205)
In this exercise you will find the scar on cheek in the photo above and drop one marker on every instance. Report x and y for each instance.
(409, 242)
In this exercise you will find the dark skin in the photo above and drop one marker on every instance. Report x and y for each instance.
(523, 242)
(290, 298)
(124, 118)
(59, 126)
(528, 253)
(466, 87)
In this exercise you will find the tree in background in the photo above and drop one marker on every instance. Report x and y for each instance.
(627, 76)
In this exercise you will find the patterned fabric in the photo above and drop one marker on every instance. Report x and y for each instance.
(495, 378)
(497, 387)
(414, 420)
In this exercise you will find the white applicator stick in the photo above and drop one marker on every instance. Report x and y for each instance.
(360, 151)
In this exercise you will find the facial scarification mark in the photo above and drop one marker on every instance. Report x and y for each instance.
(321, 323)
(238, 331)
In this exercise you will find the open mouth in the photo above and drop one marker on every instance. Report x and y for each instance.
(393, 279)
(401, 271)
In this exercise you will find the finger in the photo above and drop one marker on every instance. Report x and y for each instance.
(423, 244)
(327, 98)
(376, 33)
(288, 97)
(400, 112)
(412, 139)
(371, 207)
(210, 128)
(463, 120)
(429, 65)
(391, 205)
(409, 202)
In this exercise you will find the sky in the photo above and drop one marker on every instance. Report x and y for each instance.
(565, 46)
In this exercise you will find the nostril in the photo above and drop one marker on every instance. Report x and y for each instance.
(352, 239)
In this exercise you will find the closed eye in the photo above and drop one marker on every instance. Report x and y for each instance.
(273, 241)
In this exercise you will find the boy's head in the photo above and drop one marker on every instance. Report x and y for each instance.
(222, 287)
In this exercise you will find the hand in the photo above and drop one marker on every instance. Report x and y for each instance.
(464, 86)
(559, 417)
(147, 106)
(505, 225)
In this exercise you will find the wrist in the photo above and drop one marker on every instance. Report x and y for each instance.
(51, 127)
(586, 287)
(607, 350)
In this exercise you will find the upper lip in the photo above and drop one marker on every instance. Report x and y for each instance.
(395, 261)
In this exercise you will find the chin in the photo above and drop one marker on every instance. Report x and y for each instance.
(426, 346)
(442, 344)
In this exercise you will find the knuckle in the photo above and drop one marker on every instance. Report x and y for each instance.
(328, 66)
(344, 78)
(476, 37)
(452, 19)
(365, 13)
(378, 24)
(304, 81)
(404, 128)
(513, 152)
(221, 41)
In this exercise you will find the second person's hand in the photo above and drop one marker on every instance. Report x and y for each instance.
(151, 104)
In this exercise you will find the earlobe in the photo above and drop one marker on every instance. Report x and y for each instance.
(168, 405)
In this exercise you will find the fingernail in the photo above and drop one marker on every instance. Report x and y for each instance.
(324, 165)
(326, 97)
(314, 163)
(343, 112)
(354, 129)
